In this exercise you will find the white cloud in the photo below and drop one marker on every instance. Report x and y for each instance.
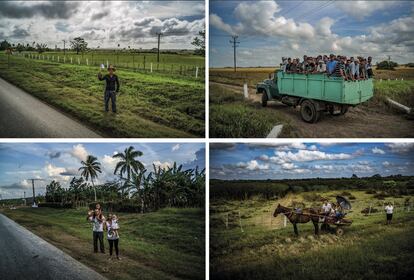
(175, 147)
(363, 9)
(386, 163)
(163, 165)
(289, 166)
(79, 152)
(400, 147)
(306, 155)
(264, 157)
(253, 165)
(378, 151)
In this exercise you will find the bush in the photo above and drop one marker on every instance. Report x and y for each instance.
(312, 197)
(371, 191)
(390, 65)
(56, 205)
(118, 206)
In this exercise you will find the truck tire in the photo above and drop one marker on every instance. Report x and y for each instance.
(264, 99)
(308, 112)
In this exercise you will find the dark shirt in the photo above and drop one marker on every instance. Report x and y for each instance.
(338, 67)
(111, 82)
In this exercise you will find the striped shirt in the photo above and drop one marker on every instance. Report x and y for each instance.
(338, 67)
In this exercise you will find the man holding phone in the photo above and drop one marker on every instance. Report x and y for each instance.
(111, 88)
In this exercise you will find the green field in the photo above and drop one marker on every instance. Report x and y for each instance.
(167, 244)
(150, 105)
(247, 242)
(172, 63)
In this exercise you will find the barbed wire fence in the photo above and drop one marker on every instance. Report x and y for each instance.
(194, 71)
(231, 220)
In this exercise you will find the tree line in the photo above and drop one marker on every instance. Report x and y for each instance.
(136, 189)
(271, 189)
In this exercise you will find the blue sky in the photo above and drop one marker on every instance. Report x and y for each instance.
(309, 160)
(56, 161)
(268, 30)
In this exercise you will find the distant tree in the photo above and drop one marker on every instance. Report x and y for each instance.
(4, 45)
(390, 65)
(20, 47)
(90, 169)
(354, 176)
(79, 45)
(200, 43)
(40, 48)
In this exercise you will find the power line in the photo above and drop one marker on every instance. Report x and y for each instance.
(235, 43)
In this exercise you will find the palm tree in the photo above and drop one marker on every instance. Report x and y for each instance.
(89, 170)
(128, 163)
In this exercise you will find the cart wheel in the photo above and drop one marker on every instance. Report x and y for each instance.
(264, 99)
(339, 231)
(308, 112)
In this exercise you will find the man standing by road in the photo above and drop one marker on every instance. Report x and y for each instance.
(389, 209)
(111, 88)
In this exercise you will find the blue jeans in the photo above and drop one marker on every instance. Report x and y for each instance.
(109, 94)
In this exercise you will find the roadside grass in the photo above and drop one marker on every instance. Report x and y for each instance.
(233, 117)
(167, 244)
(150, 105)
(266, 250)
(400, 91)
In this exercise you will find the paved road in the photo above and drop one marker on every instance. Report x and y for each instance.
(26, 256)
(24, 116)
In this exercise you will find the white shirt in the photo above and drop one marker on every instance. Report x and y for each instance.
(110, 227)
(327, 208)
(96, 225)
(389, 209)
(321, 68)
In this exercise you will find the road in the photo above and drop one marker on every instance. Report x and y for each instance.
(24, 116)
(27, 256)
(360, 122)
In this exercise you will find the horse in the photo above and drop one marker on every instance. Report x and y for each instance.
(307, 214)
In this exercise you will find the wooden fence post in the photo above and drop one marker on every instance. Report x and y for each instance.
(284, 221)
(240, 221)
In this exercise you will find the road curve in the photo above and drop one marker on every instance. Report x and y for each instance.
(24, 116)
(27, 256)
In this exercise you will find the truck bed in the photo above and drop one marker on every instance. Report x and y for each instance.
(324, 88)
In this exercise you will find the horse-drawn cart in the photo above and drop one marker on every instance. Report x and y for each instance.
(301, 216)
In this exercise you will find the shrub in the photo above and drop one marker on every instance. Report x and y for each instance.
(390, 65)
(312, 197)
(56, 205)
(118, 206)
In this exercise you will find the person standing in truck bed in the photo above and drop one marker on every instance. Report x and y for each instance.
(111, 88)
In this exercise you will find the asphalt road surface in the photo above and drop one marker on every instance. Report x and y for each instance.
(24, 116)
(27, 256)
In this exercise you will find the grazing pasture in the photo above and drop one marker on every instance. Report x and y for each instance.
(247, 242)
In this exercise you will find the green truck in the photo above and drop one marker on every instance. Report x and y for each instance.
(315, 93)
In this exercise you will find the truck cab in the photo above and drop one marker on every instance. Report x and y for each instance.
(268, 88)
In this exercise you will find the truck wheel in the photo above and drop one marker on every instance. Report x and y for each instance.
(308, 112)
(344, 110)
(264, 99)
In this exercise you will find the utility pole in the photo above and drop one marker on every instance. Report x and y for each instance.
(33, 188)
(235, 43)
(64, 47)
(158, 53)
(389, 60)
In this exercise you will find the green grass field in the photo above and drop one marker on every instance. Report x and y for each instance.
(167, 244)
(262, 248)
(150, 105)
(176, 63)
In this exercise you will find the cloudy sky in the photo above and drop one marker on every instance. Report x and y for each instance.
(55, 161)
(102, 23)
(268, 30)
(310, 160)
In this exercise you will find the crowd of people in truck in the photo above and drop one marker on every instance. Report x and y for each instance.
(350, 69)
